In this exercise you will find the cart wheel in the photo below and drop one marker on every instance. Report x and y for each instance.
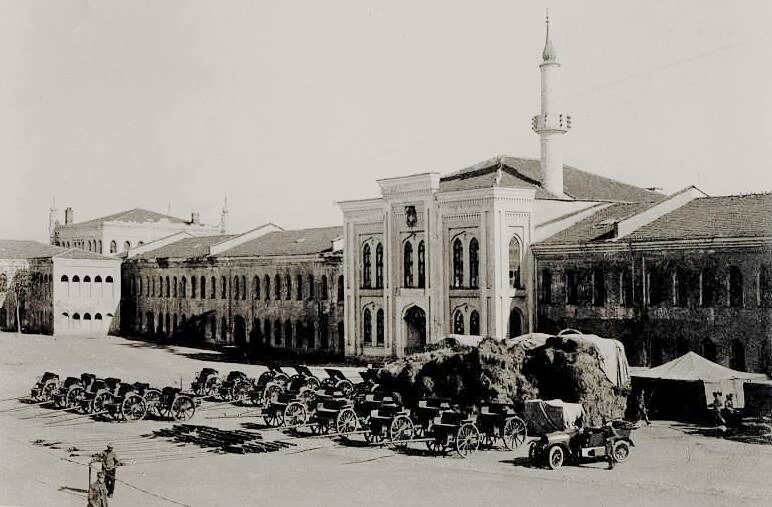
(153, 402)
(73, 397)
(620, 451)
(183, 408)
(345, 387)
(515, 432)
(210, 386)
(555, 457)
(346, 422)
(282, 378)
(48, 391)
(271, 394)
(295, 414)
(273, 417)
(133, 408)
(313, 383)
(401, 430)
(100, 402)
(467, 439)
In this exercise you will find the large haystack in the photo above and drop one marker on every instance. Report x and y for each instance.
(563, 368)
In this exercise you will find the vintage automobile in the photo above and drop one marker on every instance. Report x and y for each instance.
(584, 444)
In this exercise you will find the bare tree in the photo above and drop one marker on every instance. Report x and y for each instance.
(21, 285)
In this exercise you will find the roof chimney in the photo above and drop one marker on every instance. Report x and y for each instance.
(195, 218)
(69, 216)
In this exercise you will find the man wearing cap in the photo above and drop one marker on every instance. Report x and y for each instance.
(109, 462)
(97, 493)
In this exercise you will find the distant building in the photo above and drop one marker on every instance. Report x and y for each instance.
(68, 291)
(118, 233)
(266, 287)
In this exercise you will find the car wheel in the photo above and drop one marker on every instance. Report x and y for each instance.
(620, 451)
(555, 457)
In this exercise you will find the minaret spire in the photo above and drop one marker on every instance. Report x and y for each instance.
(224, 216)
(551, 123)
(52, 221)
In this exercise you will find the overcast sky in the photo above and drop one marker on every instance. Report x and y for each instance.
(288, 107)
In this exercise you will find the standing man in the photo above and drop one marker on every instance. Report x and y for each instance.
(97, 493)
(643, 412)
(109, 463)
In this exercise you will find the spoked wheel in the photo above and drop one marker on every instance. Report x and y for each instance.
(620, 451)
(210, 386)
(273, 418)
(401, 430)
(271, 394)
(295, 414)
(313, 383)
(72, 399)
(183, 408)
(100, 402)
(153, 402)
(48, 392)
(346, 422)
(515, 432)
(239, 391)
(437, 445)
(133, 408)
(467, 439)
(345, 387)
(555, 457)
(374, 438)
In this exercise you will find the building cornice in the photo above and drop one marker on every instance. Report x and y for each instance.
(643, 246)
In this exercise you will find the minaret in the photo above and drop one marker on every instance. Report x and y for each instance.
(224, 216)
(52, 222)
(551, 124)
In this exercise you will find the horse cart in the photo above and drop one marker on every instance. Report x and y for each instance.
(500, 421)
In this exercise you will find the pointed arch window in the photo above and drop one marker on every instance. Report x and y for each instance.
(421, 264)
(366, 282)
(223, 288)
(367, 326)
(379, 335)
(288, 281)
(311, 288)
(323, 289)
(277, 287)
(168, 288)
(193, 287)
(474, 264)
(407, 265)
(267, 283)
(458, 263)
(474, 323)
(379, 266)
(183, 287)
(341, 289)
(256, 287)
(299, 287)
(458, 322)
(514, 263)
(203, 287)
(243, 287)
(174, 286)
(236, 287)
(113, 247)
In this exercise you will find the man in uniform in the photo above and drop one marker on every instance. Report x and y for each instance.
(109, 463)
(643, 411)
(97, 493)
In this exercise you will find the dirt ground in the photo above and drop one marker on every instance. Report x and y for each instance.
(670, 465)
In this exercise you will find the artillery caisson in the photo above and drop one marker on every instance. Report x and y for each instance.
(174, 404)
(45, 388)
(206, 382)
(337, 381)
(128, 404)
(499, 421)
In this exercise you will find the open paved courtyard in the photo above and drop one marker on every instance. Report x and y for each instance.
(670, 465)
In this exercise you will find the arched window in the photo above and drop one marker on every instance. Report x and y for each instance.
(256, 287)
(366, 267)
(224, 329)
(288, 333)
(76, 316)
(203, 287)
(277, 287)
(174, 286)
(379, 338)
(147, 286)
(323, 288)
(545, 292)
(299, 332)
(267, 331)
(76, 279)
(277, 332)
(168, 288)
(341, 289)
(598, 287)
(140, 283)
(288, 282)
(311, 287)
(99, 246)
(421, 264)
(63, 279)
(183, 287)
(765, 287)
(323, 332)
(113, 247)
(236, 287)
(98, 316)
(267, 284)
(709, 286)
(193, 282)
(86, 279)
(474, 264)
(458, 263)
(299, 287)
(126, 246)
(379, 266)
(458, 322)
(514, 262)
(737, 361)
(243, 287)
(735, 287)
(407, 264)
(86, 316)
(474, 323)
(223, 288)
(367, 326)
(97, 279)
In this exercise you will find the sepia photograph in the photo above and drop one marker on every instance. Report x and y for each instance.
(356, 252)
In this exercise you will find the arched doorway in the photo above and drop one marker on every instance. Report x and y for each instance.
(239, 331)
(515, 323)
(415, 323)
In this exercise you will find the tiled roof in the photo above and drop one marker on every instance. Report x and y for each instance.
(23, 249)
(136, 215)
(731, 216)
(78, 253)
(186, 248)
(596, 227)
(299, 242)
(526, 173)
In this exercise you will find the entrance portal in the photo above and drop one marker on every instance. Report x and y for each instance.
(515, 323)
(239, 331)
(415, 320)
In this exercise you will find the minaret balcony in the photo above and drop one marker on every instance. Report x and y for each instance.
(558, 122)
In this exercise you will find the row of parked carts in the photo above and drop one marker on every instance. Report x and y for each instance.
(298, 401)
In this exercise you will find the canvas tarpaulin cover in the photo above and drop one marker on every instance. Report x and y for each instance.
(552, 415)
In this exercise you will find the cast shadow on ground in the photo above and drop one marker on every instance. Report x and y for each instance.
(521, 461)
(218, 440)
